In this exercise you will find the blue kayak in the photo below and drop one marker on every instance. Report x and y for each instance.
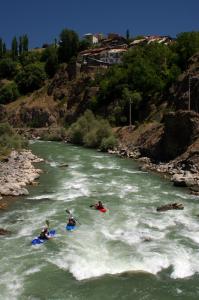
(38, 241)
(70, 227)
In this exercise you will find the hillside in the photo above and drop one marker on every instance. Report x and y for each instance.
(167, 121)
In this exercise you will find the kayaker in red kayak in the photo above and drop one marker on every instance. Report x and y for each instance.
(99, 205)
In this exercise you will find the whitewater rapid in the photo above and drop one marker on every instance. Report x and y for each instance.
(130, 237)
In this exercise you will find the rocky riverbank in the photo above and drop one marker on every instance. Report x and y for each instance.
(18, 171)
(170, 148)
(174, 170)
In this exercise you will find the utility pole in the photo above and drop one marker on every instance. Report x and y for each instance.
(130, 112)
(189, 93)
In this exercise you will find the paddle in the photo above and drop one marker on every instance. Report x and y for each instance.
(68, 211)
(47, 223)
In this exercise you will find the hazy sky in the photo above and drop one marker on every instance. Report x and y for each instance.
(43, 20)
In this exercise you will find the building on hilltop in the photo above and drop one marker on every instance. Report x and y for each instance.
(93, 38)
(102, 56)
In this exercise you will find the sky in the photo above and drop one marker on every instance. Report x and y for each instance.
(43, 20)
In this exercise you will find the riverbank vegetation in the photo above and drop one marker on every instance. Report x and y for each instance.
(91, 132)
(9, 140)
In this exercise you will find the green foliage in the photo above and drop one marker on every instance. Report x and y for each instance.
(8, 93)
(31, 78)
(9, 140)
(8, 68)
(51, 60)
(108, 143)
(28, 58)
(68, 45)
(1, 48)
(146, 72)
(25, 43)
(56, 134)
(187, 44)
(90, 132)
(14, 48)
(84, 44)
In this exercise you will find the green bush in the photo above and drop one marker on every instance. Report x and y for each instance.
(31, 78)
(8, 93)
(9, 140)
(91, 132)
(108, 143)
(8, 68)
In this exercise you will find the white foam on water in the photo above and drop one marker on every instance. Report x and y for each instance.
(43, 196)
(11, 286)
(133, 171)
(33, 270)
(108, 165)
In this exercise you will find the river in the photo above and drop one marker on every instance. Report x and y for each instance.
(131, 252)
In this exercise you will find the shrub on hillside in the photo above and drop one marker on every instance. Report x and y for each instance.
(8, 93)
(108, 143)
(8, 68)
(91, 132)
(9, 140)
(31, 78)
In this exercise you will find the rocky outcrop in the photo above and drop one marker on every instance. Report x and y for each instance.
(4, 231)
(186, 89)
(17, 172)
(170, 206)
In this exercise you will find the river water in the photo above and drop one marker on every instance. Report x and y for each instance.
(129, 252)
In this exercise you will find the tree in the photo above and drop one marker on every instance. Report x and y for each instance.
(68, 45)
(20, 45)
(14, 48)
(30, 78)
(51, 64)
(8, 68)
(127, 34)
(25, 43)
(134, 98)
(4, 49)
(8, 93)
(27, 58)
(187, 44)
(84, 44)
(1, 48)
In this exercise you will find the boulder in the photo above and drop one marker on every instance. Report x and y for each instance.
(170, 206)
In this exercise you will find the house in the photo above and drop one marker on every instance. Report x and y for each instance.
(93, 38)
(102, 56)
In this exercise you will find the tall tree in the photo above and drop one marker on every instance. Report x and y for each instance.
(20, 45)
(25, 43)
(1, 48)
(187, 44)
(14, 48)
(127, 34)
(68, 45)
(4, 49)
(51, 59)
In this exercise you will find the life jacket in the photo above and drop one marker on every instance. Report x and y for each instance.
(43, 235)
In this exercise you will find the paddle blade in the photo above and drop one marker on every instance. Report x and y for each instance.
(68, 211)
(47, 223)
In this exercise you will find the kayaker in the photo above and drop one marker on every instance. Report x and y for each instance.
(71, 221)
(99, 205)
(44, 234)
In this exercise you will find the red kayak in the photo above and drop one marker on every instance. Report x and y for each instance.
(103, 210)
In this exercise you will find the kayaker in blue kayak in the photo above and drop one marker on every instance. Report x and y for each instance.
(71, 221)
(44, 234)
